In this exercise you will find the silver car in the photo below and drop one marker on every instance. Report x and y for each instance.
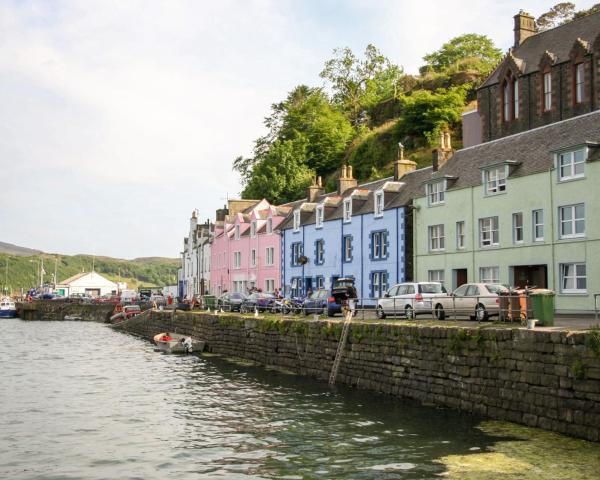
(410, 299)
(477, 300)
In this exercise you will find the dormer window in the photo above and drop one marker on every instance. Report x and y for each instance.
(510, 98)
(347, 210)
(237, 232)
(296, 220)
(494, 180)
(379, 202)
(319, 215)
(436, 192)
(579, 82)
(253, 229)
(269, 225)
(547, 91)
(571, 165)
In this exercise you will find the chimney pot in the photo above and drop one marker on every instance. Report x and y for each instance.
(525, 27)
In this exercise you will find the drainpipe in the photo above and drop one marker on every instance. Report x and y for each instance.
(474, 239)
(362, 269)
(551, 237)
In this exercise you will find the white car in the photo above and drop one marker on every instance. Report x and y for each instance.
(410, 299)
(477, 300)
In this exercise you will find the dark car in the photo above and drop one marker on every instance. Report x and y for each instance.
(321, 301)
(231, 302)
(258, 301)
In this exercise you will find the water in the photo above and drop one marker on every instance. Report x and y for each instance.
(80, 401)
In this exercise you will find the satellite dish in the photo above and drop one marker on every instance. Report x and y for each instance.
(302, 259)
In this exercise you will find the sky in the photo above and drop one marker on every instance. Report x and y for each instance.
(118, 118)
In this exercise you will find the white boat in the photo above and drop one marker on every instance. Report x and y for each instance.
(8, 308)
(74, 318)
(177, 344)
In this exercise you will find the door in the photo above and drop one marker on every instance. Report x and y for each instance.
(460, 277)
(308, 284)
(387, 302)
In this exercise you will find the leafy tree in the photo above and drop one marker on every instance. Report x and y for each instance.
(582, 13)
(557, 15)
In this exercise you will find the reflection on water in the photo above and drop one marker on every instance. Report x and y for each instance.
(88, 403)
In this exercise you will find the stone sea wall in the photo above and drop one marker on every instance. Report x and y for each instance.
(549, 380)
(57, 310)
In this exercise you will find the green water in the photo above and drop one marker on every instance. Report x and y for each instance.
(83, 402)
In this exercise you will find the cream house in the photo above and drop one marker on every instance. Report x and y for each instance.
(91, 283)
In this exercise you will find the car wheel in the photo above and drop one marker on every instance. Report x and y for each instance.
(440, 314)
(409, 312)
(481, 314)
(380, 312)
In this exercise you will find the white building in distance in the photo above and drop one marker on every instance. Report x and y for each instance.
(91, 283)
(194, 275)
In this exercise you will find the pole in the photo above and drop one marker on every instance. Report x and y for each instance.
(55, 271)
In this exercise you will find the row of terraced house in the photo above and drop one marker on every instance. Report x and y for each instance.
(516, 205)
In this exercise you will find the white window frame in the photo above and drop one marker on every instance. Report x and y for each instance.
(460, 235)
(547, 79)
(436, 276)
(489, 274)
(489, 226)
(253, 228)
(436, 193)
(296, 220)
(571, 221)
(253, 257)
(347, 240)
(537, 220)
(495, 179)
(516, 98)
(319, 216)
(237, 232)
(237, 260)
(437, 239)
(297, 252)
(320, 252)
(518, 230)
(379, 200)
(579, 83)
(575, 275)
(269, 225)
(269, 256)
(269, 285)
(319, 282)
(347, 210)
(571, 161)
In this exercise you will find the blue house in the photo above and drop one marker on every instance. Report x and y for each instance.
(359, 231)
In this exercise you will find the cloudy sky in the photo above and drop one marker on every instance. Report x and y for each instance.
(119, 117)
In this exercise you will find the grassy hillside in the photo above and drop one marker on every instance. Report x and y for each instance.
(23, 271)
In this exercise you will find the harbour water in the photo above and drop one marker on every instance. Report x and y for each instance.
(80, 401)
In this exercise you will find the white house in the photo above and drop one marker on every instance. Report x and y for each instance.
(195, 259)
(91, 283)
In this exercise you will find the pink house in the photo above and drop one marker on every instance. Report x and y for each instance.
(246, 247)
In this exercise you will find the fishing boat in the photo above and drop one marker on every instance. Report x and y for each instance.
(177, 344)
(8, 308)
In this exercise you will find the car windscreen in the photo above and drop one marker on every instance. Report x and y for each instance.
(237, 296)
(431, 288)
(494, 288)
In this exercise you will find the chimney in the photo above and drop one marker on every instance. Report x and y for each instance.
(222, 213)
(346, 179)
(315, 190)
(401, 165)
(525, 27)
(444, 152)
(194, 220)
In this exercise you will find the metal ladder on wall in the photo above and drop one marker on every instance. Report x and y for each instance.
(340, 349)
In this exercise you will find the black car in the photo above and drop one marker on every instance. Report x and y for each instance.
(231, 302)
(258, 301)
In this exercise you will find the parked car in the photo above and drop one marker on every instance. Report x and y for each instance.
(410, 299)
(81, 298)
(477, 300)
(231, 302)
(257, 300)
(321, 301)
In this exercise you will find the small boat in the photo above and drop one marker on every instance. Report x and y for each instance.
(124, 312)
(178, 344)
(8, 308)
(73, 318)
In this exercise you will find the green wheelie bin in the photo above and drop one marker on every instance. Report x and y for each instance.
(542, 302)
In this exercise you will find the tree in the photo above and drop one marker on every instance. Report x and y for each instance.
(464, 47)
(582, 13)
(557, 15)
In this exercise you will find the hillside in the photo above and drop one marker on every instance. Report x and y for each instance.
(18, 271)
(11, 249)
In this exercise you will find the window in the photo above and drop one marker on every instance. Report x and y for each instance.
(436, 237)
(538, 225)
(347, 210)
(319, 252)
(506, 101)
(436, 276)
(547, 91)
(378, 245)
(579, 82)
(319, 215)
(495, 180)
(269, 225)
(347, 248)
(296, 220)
(573, 278)
(253, 229)
(510, 99)
(378, 284)
(269, 285)
(320, 282)
(489, 274)
(296, 287)
(435, 192)
(488, 232)
(237, 259)
(270, 253)
(517, 227)
(253, 257)
(572, 220)
(237, 232)
(571, 165)
(460, 235)
(379, 199)
(297, 252)
(516, 99)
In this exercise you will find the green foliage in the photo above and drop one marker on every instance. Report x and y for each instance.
(593, 341)
(557, 15)
(578, 369)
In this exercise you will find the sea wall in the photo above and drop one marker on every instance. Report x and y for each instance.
(57, 310)
(549, 380)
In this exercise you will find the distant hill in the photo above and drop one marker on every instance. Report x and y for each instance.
(23, 270)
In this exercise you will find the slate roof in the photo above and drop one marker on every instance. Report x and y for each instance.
(532, 150)
(558, 41)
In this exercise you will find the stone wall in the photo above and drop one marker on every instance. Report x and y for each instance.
(57, 310)
(549, 380)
